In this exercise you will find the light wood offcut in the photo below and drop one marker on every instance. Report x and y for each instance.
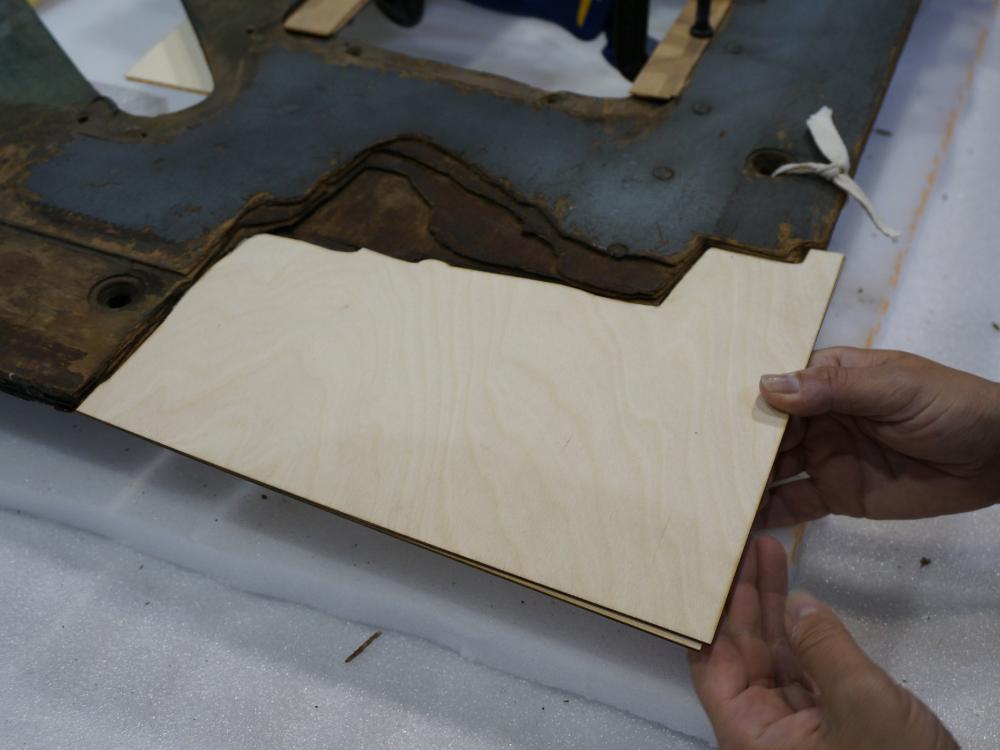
(609, 452)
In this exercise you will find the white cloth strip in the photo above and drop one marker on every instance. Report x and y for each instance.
(828, 139)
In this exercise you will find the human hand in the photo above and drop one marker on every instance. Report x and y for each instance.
(794, 679)
(882, 434)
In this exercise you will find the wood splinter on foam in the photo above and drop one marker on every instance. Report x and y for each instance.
(360, 649)
(607, 453)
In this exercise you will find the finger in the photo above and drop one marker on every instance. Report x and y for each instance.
(787, 468)
(772, 586)
(790, 463)
(719, 671)
(772, 582)
(797, 697)
(795, 432)
(718, 674)
(856, 391)
(825, 650)
(850, 356)
(791, 504)
(743, 616)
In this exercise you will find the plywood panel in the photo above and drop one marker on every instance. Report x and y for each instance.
(176, 61)
(322, 17)
(612, 452)
(668, 69)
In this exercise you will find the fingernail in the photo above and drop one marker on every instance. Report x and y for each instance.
(785, 383)
(801, 605)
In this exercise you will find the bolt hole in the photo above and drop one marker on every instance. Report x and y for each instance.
(117, 292)
(82, 119)
(764, 161)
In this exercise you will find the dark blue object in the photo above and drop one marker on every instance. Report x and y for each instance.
(623, 21)
(584, 19)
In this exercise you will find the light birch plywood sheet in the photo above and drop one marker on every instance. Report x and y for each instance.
(322, 17)
(667, 71)
(176, 61)
(608, 452)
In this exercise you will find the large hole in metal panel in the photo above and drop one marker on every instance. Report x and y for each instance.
(117, 292)
(108, 40)
(764, 161)
(146, 58)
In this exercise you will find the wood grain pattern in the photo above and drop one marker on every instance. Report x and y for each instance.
(322, 17)
(176, 61)
(612, 452)
(666, 72)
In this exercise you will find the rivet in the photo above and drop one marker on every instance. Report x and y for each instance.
(701, 108)
(663, 173)
(734, 48)
(618, 250)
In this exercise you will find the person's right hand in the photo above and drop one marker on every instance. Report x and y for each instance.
(786, 674)
(882, 434)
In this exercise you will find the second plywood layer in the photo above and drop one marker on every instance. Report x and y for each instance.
(612, 452)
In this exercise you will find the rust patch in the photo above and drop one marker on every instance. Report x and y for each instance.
(411, 201)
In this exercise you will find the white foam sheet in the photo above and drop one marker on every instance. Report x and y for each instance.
(224, 667)
(104, 38)
(73, 470)
(935, 627)
(939, 98)
(105, 647)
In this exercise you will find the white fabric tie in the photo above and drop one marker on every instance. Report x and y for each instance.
(824, 132)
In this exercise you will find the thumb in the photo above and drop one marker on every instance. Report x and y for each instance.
(825, 650)
(855, 391)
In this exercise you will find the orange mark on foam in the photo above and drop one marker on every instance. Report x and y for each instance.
(925, 194)
(800, 532)
(870, 338)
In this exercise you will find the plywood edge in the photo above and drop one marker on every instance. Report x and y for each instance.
(827, 264)
(667, 71)
(322, 18)
(177, 62)
(610, 614)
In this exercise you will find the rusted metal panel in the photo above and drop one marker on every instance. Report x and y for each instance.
(349, 145)
(66, 311)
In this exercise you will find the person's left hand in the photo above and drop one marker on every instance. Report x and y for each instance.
(796, 680)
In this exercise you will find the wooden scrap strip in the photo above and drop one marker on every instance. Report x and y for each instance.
(322, 17)
(176, 61)
(666, 73)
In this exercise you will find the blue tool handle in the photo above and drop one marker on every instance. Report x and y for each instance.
(584, 19)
